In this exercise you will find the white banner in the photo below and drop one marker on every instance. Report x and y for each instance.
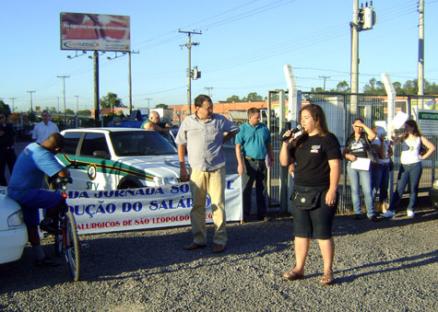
(145, 208)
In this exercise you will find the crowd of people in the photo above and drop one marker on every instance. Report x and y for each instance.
(312, 155)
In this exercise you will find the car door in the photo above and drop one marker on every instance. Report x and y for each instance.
(95, 164)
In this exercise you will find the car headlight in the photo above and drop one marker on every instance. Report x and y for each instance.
(158, 181)
(171, 180)
(165, 181)
(15, 219)
(435, 184)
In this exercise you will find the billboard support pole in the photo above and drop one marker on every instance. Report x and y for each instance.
(96, 88)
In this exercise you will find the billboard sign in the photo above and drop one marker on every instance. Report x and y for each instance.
(82, 31)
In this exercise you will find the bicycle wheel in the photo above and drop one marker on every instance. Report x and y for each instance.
(58, 240)
(72, 247)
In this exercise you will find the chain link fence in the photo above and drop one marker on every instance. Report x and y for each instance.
(373, 109)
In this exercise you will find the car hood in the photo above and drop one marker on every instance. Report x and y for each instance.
(160, 166)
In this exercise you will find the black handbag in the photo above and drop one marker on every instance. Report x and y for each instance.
(306, 199)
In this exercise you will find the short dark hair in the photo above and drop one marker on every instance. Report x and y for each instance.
(252, 111)
(200, 99)
(57, 140)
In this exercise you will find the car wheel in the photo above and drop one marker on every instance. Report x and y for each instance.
(127, 184)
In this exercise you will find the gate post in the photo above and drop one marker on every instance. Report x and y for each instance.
(283, 185)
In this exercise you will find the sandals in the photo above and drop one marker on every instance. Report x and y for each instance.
(327, 279)
(292, 275)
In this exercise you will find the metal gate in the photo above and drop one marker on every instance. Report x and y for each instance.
(337, 111)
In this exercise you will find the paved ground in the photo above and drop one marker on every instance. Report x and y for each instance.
(386, 266)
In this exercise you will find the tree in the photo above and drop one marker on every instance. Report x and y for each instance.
(397, 87)
(4, 108)
(162, 105)
(342, 86)
(374, 87)
(69, 111)
(317, 89)
(233, 98)
(410, 86)
(52, 110)
(110, 101)
(84, 112)
(431, 88)
(253, 97)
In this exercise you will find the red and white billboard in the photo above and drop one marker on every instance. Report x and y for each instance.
(82, 31)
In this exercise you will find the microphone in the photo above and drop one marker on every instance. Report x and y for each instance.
(295, 133)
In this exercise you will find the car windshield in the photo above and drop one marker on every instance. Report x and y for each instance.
(141, 143)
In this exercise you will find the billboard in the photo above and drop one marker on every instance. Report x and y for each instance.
(82, 31)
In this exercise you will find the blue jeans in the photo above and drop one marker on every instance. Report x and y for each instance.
(256, 171)
(363, 178)
(411, 174)
(380, 181)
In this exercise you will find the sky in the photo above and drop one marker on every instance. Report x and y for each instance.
(243, 47)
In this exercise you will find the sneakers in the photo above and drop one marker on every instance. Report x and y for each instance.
(358, 216)
(410, 213)
(389, 214)
(374, 218)
(49, 225)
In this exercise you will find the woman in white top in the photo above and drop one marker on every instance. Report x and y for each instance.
(411, 168)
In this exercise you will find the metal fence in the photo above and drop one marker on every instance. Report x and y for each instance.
(337, 111)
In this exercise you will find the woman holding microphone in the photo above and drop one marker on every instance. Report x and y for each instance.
(317, 158)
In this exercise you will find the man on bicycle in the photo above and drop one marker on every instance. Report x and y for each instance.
(36, 161)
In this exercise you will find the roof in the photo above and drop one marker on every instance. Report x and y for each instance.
(103, 129)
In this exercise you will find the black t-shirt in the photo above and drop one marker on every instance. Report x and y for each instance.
(312, 156)
(357, 148)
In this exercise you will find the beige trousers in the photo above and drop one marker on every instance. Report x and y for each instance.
(213, 183)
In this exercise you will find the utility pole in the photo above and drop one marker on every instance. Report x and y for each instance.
(148, 99)
(420, 78)
(31, 100)
(324, 78)
(63, 77)
(77, 103)
(354, 70)
(58, 105)
(363, 19)
(13, 101)
(130, 80)
(96, 88)
(189, 45)
(129, 74)
(209, 91)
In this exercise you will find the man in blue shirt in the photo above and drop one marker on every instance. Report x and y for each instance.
(32, 164)
(253, 152)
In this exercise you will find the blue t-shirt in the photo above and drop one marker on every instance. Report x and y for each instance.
(29, 169)
(254, 140)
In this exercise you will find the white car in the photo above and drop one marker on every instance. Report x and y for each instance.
(13, 233)
(118, 158)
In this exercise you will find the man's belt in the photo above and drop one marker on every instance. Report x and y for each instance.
(253, 159)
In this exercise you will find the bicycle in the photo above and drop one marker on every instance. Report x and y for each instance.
(66, 236)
